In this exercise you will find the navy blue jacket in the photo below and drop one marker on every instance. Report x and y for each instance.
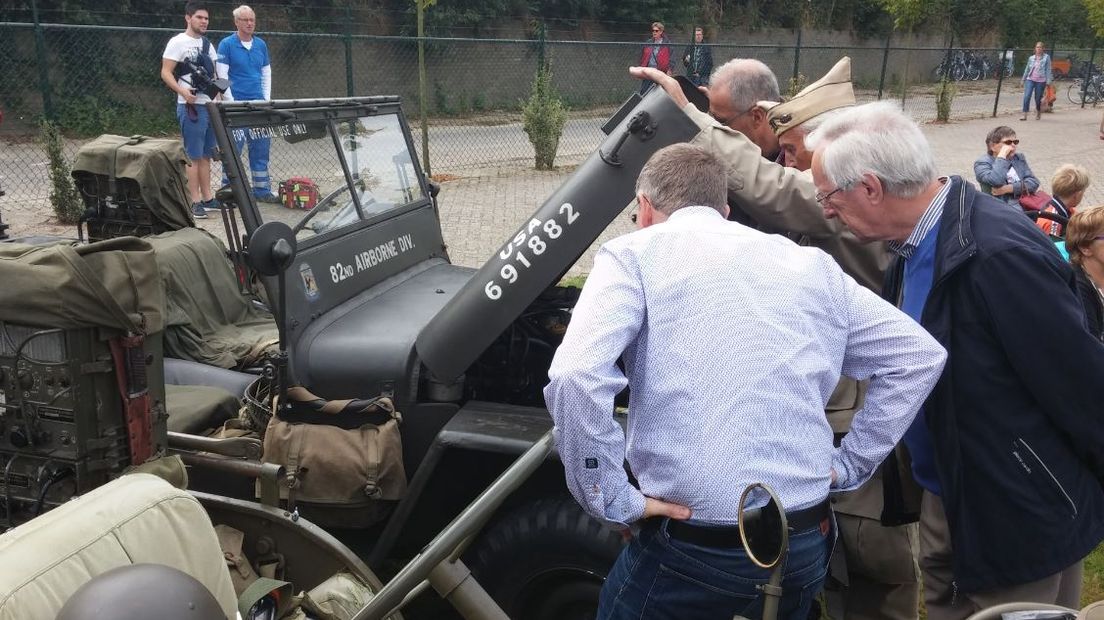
(1017, 420)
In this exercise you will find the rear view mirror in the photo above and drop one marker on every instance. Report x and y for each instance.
(763, 529)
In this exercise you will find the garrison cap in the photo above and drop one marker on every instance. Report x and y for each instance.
(828, 93)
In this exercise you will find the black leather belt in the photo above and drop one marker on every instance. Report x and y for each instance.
(729, 537)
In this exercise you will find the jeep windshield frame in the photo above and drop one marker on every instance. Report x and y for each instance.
(360, 155)
(326, 139)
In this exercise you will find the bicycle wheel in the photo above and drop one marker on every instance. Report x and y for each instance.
(1092, 93)
(973, 73)
(1074, 93)
(958, 72)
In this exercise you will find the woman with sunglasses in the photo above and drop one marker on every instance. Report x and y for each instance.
(1085, 242)
(1003, 171)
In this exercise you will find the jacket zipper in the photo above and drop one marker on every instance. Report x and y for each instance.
(1046, 469)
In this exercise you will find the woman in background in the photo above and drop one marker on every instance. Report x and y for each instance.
(1037, 75)
(1003, 171)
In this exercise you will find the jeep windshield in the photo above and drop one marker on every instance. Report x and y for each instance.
(329, 171)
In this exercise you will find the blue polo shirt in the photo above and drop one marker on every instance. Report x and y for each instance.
(919, 252)
(245, 65)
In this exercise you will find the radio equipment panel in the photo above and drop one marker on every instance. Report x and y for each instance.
(64, 415)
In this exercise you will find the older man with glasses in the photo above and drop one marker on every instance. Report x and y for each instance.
(1009, 447)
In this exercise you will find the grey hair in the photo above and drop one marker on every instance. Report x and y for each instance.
(242, 10)
(748, 81)
(683, 175)
(875, 138)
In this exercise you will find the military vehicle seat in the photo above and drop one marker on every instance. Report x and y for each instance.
(199, 397)
(135, 519)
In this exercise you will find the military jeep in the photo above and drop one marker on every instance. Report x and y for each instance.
(371, 305)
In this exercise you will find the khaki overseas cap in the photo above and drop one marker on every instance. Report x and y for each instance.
(828, 93)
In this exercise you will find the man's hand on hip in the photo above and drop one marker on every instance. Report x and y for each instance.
(659, 508)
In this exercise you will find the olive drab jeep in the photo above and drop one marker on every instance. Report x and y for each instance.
(374, 308)
(382, 387)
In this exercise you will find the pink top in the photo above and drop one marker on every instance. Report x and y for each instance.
(1037, 70)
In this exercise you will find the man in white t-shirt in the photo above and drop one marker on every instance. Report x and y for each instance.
(195, 126)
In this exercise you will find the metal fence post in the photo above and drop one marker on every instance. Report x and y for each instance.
(1090, 72)
(43, 67)
(348, 52)
(421, 4)
(797, 55)
(1000, 79)
(885, 61)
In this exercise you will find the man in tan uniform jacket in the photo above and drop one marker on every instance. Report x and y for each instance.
(874, 572)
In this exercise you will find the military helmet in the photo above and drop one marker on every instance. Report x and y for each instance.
(140, 592)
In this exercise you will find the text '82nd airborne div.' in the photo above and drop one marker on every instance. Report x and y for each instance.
(530, 242)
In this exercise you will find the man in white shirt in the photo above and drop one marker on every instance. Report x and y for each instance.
(193, 49)
(681, 302)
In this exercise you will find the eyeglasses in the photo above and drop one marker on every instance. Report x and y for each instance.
(1010, 142)
(727, 122)
(823, 198)
(656, 30)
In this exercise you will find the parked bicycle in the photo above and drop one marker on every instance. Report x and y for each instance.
(973, 65)
(1090, 91)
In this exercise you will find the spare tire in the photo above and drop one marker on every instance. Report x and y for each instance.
(545, 560)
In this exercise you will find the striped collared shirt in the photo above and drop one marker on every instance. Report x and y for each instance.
(927, 222)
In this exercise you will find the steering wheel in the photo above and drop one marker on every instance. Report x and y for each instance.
(366, 198)
(318, 208)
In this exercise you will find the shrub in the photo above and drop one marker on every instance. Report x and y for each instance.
(63, 194)
(543, 117)
(944, 97)
(796, 84)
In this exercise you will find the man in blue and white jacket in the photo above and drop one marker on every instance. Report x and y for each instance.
(243, 59)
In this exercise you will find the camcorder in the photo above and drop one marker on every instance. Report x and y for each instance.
(201, 80)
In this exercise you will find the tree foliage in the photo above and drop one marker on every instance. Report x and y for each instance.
(1016, 22)
(1095, 10)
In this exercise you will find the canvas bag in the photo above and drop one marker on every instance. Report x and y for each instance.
(341, 453)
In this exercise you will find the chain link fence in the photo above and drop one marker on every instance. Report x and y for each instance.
(98, 79)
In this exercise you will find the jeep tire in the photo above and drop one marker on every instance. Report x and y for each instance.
(545, 560)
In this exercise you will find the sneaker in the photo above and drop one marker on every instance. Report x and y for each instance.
(198, 212)
(269, 198)
(211, 205)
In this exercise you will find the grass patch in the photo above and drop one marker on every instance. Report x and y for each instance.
(576, 281)
(1092, 589)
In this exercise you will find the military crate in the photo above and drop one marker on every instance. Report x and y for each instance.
(132, 186)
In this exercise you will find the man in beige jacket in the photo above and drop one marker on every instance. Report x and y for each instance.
(874, 570)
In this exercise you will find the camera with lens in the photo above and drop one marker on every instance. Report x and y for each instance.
(201, 79)
(199, 70)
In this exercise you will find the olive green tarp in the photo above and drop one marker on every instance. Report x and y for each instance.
(112, 284)
(155, 164)
(196, 408)
(208, 319)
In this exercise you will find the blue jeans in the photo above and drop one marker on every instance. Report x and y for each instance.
(1033, 87)
(658, 577)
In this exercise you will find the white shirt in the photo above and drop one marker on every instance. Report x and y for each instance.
(733, 340)
(183, 46)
